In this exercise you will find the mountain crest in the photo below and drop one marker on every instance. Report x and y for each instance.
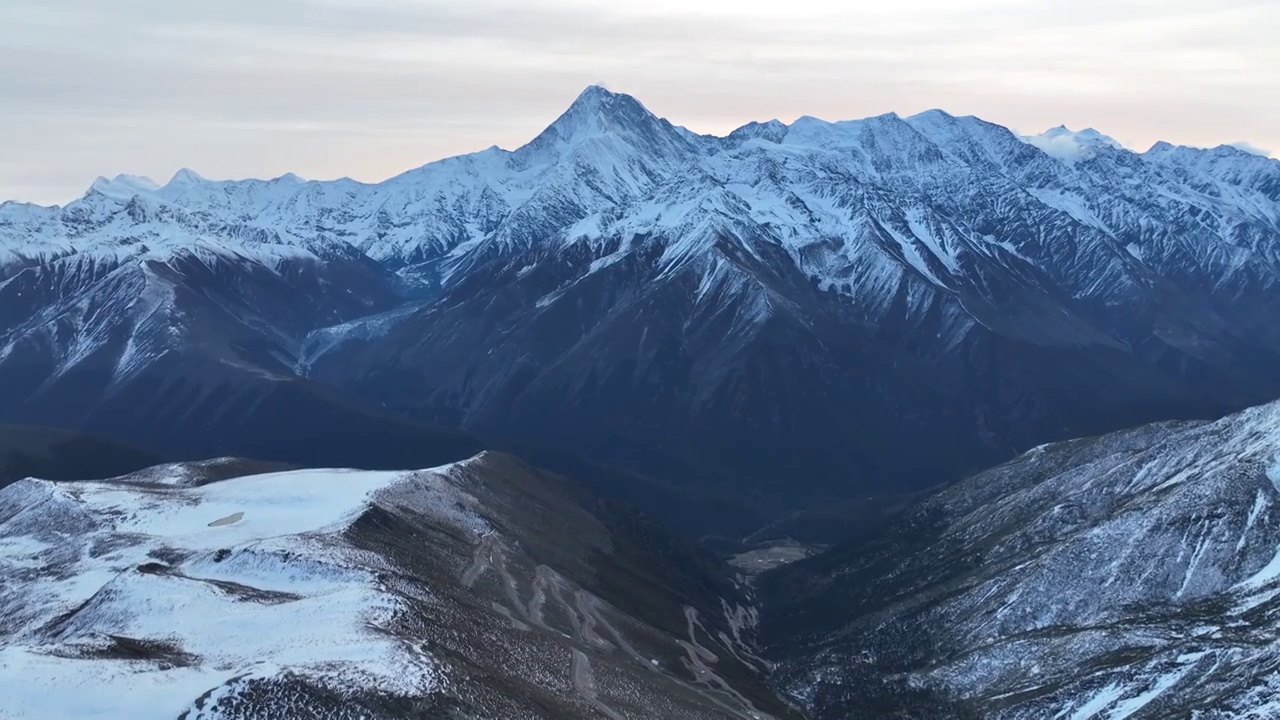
(1071, 146)
(773, 131)
(185, 176)
(598, 112)
(123, 187)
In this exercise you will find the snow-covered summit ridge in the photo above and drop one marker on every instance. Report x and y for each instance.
(185, 176)
(599, 111)
(609, 164)
(1233, 148)
(596, 112)
(123, 187)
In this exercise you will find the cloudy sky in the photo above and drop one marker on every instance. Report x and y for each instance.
(369, 88)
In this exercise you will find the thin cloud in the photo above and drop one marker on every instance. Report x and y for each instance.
(1250, 148)
(369, 88)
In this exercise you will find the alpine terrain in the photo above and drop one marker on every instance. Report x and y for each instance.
(481, 589)
(1133, 575)
(763, 322)
(904, 417)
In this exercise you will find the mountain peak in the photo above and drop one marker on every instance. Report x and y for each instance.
(185, 176)
(599, 112)
(934, 114)
(594, 92)
(1069, 145)
(123, 187)
(1237, 150)
(1248, 148)
(1095, 136)
(1085, 135)
(772, 131)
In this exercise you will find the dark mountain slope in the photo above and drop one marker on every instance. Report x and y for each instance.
(1132, 575)
(62, 455)
(763, 393)
(189, 351)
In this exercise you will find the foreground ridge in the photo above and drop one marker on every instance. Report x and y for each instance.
(477, 589)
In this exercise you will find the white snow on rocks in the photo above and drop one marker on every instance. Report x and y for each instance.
(249, 577)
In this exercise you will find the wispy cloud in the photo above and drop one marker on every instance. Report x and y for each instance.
(1250, 148)
(371, 87)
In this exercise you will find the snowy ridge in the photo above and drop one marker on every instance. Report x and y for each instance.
(608, 154)
(929, 204)
(1069, 146)
(480, 588)
(207, 584)
(146, 279)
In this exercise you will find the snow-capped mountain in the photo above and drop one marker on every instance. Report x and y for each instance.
(800, 300)
(811, 299)
(477, 589)
(1070, 146)
(1134, 575)
(134, 317)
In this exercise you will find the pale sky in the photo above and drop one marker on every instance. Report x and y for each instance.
(370, 88)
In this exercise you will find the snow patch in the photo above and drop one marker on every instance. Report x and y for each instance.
(1161, 684)
(1100, 701)
(1260, 503)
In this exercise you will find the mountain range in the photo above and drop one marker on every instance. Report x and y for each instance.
(784, 313)
(914, 361)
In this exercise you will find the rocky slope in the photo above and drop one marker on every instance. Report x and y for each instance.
(1133, 575)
